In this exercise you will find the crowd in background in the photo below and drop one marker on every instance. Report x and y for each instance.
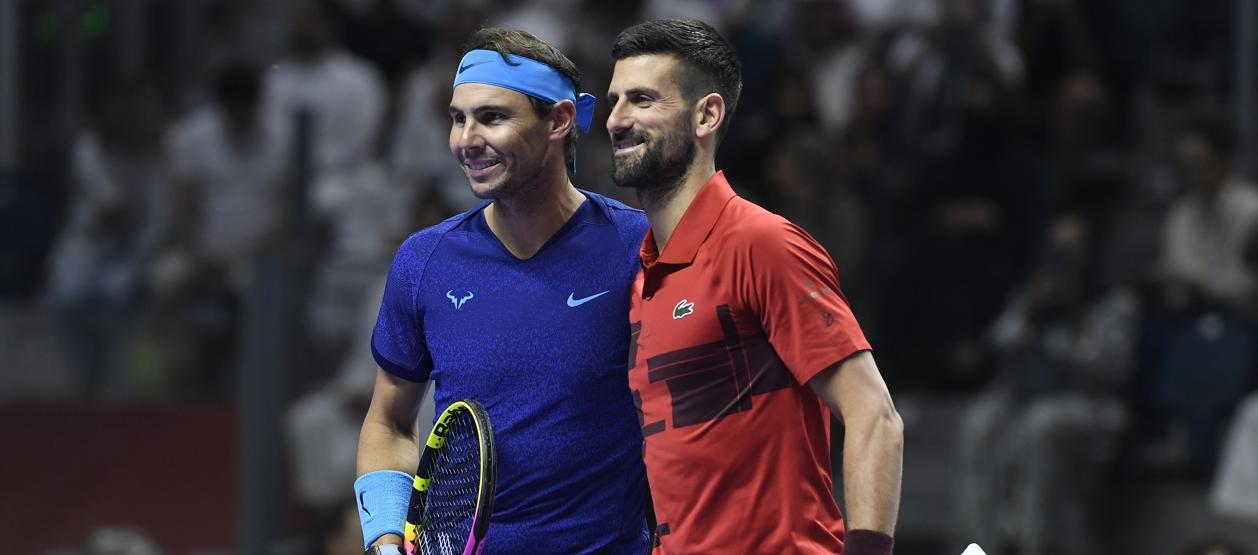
(1034, 203)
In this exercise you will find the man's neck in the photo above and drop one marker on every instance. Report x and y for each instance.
(524, 224)
(665, 213)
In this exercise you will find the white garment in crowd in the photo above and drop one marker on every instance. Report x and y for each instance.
(344, 95)
(1205, 238)
(1235, 490)
(238, 182)
(91, 256)
(549, 20)
(369, 212)
(834, 83)
(322, 427)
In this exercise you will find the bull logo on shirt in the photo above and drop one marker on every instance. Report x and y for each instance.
(458, 301)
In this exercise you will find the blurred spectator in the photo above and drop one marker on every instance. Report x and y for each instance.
(939, 64)
(801, 174)
(343, 95)
(833, 52)
(322, 426)
(878, 160)
(395, 38)
(1056, 40)
(367, 210)
(548, 19)
(713, 13)
(229, 164)
(346, 103)
(229, 169)
(97, 266)
(383, 32)
(1036, 444)
(1203, 342)
(1211, 225)
(1235, 490)
(1087, 160)
(420, 151)
(804, 182)
(1089, 171)
(880, 15)
(975, 213)
(321, 431)
(364, 205)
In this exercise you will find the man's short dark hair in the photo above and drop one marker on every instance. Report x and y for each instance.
(708, 62)
(523, 43)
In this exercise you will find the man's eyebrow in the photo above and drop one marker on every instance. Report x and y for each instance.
(648, 91)
(635, 91)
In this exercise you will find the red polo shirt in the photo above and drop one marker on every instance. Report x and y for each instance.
(729, 323)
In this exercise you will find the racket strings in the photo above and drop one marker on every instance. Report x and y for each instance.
(452, 493)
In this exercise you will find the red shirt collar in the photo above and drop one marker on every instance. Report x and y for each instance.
(694, 227)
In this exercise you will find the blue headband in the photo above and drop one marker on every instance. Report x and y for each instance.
(526, 76)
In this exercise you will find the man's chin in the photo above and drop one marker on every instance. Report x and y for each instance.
(626, 181)
(624, 175)
(485, 190)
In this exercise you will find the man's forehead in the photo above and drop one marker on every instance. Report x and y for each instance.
(655, 70)
(470, 95)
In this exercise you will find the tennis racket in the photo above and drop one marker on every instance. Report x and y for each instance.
(453, 492)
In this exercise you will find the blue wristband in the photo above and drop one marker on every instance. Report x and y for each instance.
(383, 497)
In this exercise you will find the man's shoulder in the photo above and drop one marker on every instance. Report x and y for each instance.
(612, 202)
(746, 224)
(750, 236)
(419, 246)
(620, 214)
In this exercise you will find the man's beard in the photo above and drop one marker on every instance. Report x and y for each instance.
(657, 173)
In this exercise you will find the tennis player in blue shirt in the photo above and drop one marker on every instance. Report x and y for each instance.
(521, 304)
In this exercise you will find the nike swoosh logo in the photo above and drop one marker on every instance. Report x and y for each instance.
(363, 502)
(465, 67)
(578, 302)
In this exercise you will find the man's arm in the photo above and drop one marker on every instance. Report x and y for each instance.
(873, 444)
(388, 440)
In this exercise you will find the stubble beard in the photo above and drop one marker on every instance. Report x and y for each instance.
(657, 173)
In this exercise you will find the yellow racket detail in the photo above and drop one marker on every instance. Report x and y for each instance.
(453, 489)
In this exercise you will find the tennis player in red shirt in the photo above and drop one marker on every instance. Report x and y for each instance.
(742, 342)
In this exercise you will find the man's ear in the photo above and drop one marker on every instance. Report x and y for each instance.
(709, 115)
(562, 119)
